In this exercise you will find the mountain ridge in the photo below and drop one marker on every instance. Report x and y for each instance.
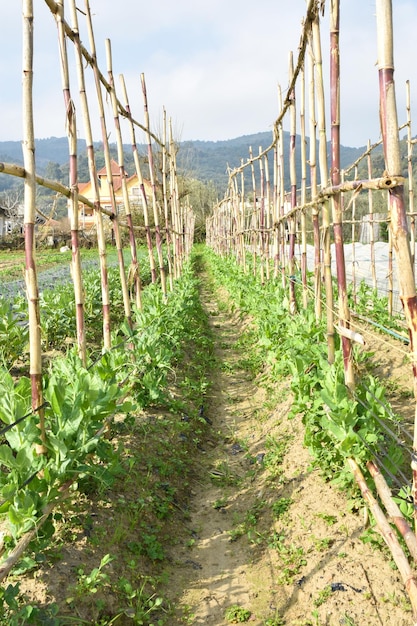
(207, 161)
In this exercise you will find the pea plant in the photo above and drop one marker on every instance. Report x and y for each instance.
(338, 424)
(79, 400)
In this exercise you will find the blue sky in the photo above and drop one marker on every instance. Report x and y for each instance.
(214, 65)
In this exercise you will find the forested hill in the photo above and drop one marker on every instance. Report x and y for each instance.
(203, 160)
(209, 160)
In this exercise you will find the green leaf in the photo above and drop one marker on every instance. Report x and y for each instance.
(6, 457)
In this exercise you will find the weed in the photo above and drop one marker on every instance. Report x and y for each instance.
(329, 519)
(323, 596)
(275, 621)
(275, 452)
(274, 541)
(248, 524)
(281, 506)
(220, 503)
(222, 474)
(397, 600)
(292, 561)
(97, 579)
(236, 614)
(140, 602)
(323, 544)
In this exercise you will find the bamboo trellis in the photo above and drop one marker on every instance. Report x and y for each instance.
(178, 218)
(266, 226)
(304, 215)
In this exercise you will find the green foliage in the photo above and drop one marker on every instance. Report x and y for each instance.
(281, 506)
(338, 424)
(236, 614)
(79, 400)
(15, 611)
(96, 579)
(369, 303)
(13, 331)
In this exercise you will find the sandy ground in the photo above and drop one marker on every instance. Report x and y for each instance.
(308, 566)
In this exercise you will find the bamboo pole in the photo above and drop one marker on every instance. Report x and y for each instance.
(262, 224)
(168, 225)
(109, 172)
(158, 238)
(281, 166)
(323, 182)
(268, 217)
(293, 196)
(389, 536)
(337, 198)
(254, 214)
(398, 222)
(235, 221)
(392, 509)
(32, 292)
(73, 34)
(275, 215)
(390, 273)
(410, 178)
(313, 184)
(173, 181)
(303, 188)
(101, 241)
(242, 221)
(353, 236)
(134, 270)
(142, 189)
(73, 184)
(371, 220)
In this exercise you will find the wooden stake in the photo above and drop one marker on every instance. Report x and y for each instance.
(73, 184)
(101, 240)
(28, 145)
(303, 189)
(168, 225)
(389, 536)
(109, 173)
(392, 509)
(313, 184)
(142, 189)
(293, 201)
(398, 222)
(337, 199)
(134, 271)
(323, 180)
(158, 238)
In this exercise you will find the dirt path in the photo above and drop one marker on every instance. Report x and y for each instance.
(266, 535)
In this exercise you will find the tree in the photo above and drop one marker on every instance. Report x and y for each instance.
(11, 202)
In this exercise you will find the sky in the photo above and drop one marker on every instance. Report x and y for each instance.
(214, 66)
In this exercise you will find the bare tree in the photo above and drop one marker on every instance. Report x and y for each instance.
(11, 202)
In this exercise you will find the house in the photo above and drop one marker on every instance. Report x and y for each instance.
(86, 213)
(4, 222)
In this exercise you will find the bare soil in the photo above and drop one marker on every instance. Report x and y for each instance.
(325, 574)
(257, 528)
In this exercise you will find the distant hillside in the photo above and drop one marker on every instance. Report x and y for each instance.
(208, 160)
(203, 160)
(53, 149)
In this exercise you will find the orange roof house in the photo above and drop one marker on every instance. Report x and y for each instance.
(86, 213)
